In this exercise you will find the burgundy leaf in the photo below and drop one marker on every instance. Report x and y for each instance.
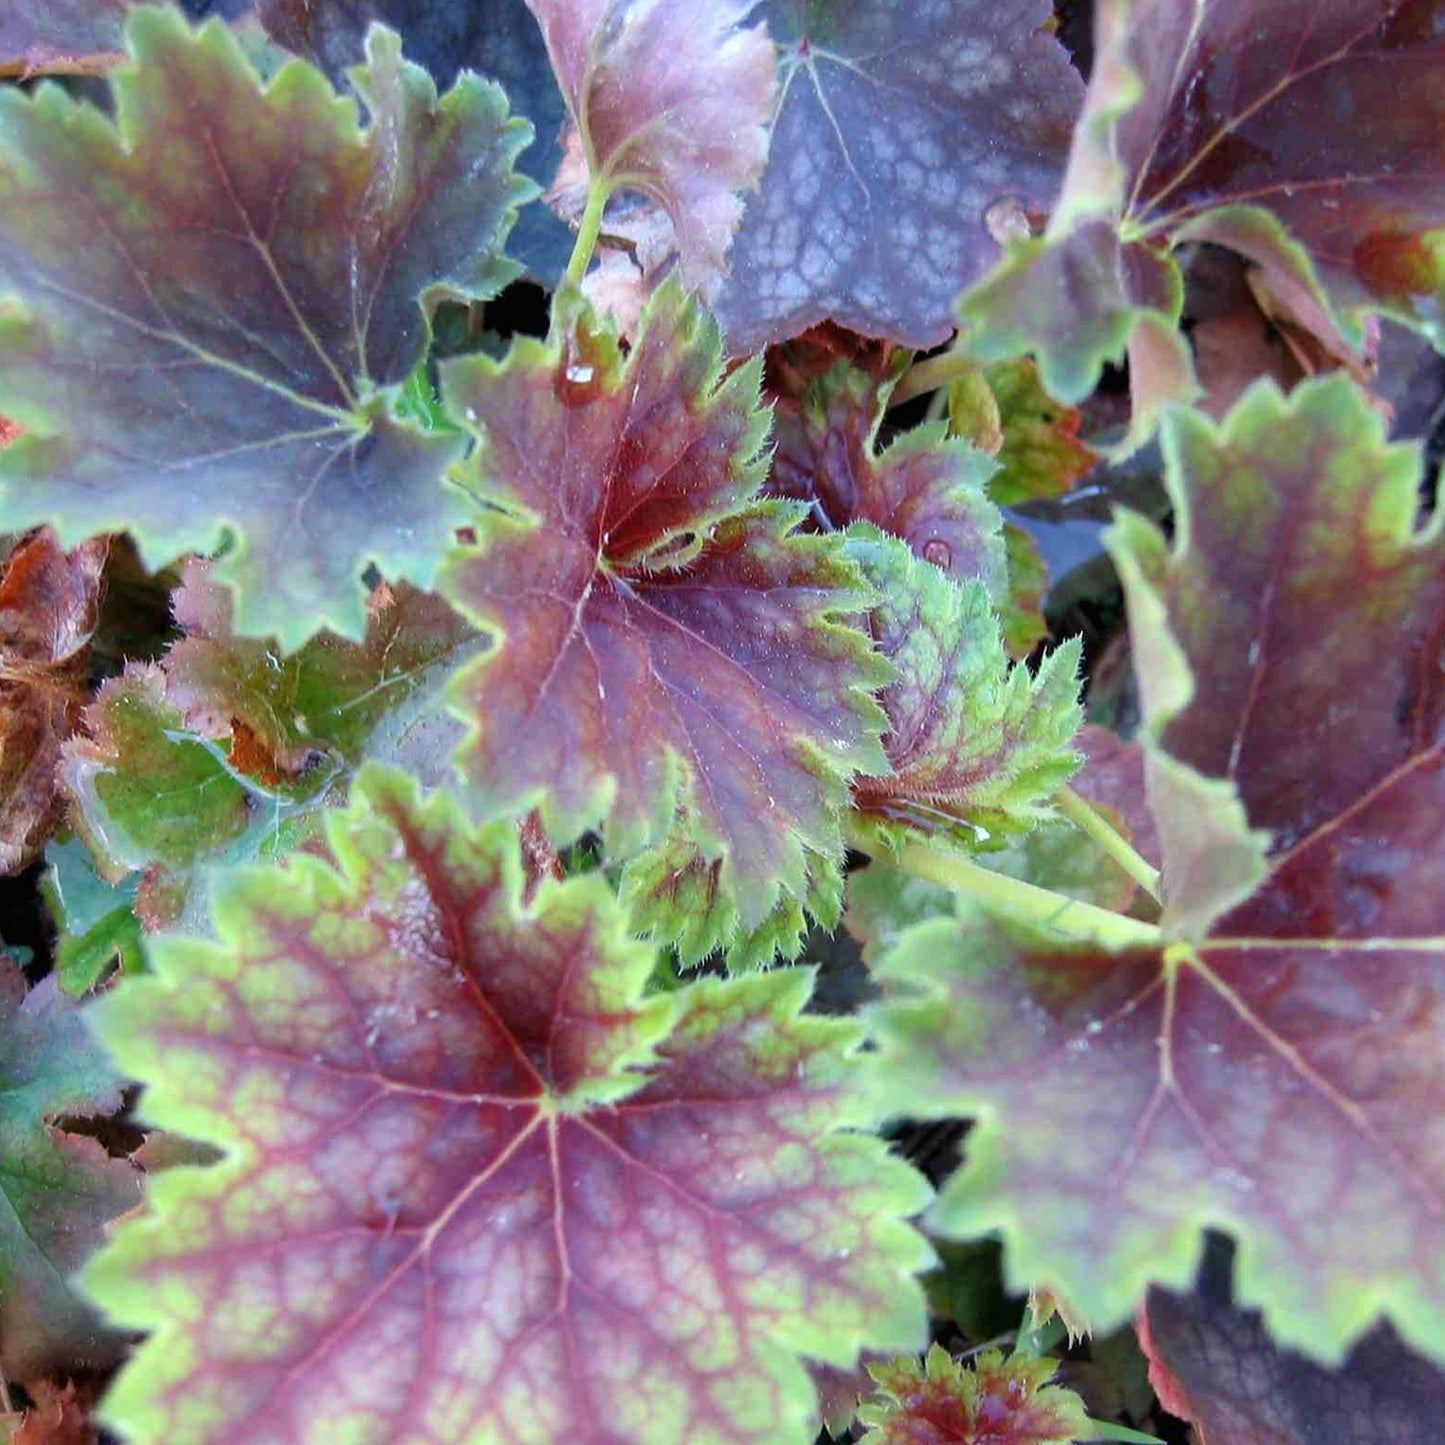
(900, 125)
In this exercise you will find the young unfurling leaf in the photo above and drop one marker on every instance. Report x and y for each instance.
(1267, 1068)
(977, 748)
(991, 1401)
(671, 662)
(217, 293)
(925, 488)
(225, 750)
(477, 1184)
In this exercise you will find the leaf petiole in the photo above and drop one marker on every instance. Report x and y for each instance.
(1027, 903)
(935, 372)
(588, 229)
(1084, 816)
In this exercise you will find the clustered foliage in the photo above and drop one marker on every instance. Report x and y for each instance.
(439, 748)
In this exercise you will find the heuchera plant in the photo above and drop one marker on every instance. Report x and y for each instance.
(437, 749)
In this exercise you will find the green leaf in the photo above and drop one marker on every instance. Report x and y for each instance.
(977, 748)
(498, 39)
(59, 1189)
(227, 751)
(672, 662)
(217, 297)
(477, 1182)
(96, 919)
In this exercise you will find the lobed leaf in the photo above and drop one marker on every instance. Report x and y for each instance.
(996, 1399)
(49, 600)
(977, 748)
(671, 661)
(497, 39)
(476, 1183)
(925, 488)
(59, 1188)
(1270, 1067)
(217, 295)
(227, 751)
(1301, 134)
(669, 99)
(899, 128)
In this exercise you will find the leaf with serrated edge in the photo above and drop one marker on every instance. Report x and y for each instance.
(498, 39)
(672, 662)
(58, 1188)
(977, 748)
(1238, 123)
(477, 1184)
(1006, 1401)
(926, 488)
(671, 99)
(1273, 1068)
(217, 294)
(225, 751)
(900, 124)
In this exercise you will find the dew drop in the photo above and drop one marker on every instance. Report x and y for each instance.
(580, 374)
(939, 553)
(1007, 219)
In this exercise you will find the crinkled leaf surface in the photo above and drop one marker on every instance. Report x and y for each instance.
(925, 488)
(1273, 1067)
(671, 663)
(977, 748)
(991, 1401)
(226, 750)
(1217, 1367)
(498, 39)
(669, 98)
(478, 1186)
(57, 1188)
(899, 125)
(48, 605)
(217, 292)
(1303, 134)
